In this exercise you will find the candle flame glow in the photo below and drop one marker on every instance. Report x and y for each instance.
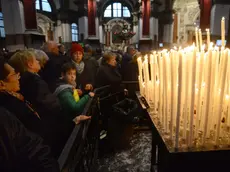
(203, 84)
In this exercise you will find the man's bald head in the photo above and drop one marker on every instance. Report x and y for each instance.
(51, 47)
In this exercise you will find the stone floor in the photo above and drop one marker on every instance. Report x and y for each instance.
(135, 159)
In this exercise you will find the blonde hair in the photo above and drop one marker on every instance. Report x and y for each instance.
(20, 60)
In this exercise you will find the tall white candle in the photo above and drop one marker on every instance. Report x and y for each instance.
(161, 83)
(197, 39)
(199, 96)
(192, 97)
(200, 38)
(222, 87)
(173, 91)
(207, 95)
(146, 77)
(208, 37)
(152, 76)
(139, 61)
(185, 91)
(228, 110)
(178, 102)
(212, 91)
(223, 31)
(214, 118)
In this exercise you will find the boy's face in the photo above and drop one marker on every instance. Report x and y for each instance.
(70, 76)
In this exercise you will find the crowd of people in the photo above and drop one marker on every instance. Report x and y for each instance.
(42, 96)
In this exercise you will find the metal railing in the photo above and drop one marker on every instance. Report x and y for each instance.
(79, 144)
(80, 151)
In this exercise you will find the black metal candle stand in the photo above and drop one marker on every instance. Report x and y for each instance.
(167, 159)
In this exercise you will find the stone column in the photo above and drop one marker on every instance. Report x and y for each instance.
(108, 35)
(66, 32)
(166, 28)
(154, 29)
(58, 31)
(93, 24)
(146, 17)
(30, 14)
(83, 27)
(134, 40)
(205, 13)
(101, 34)
(17, 34)
(140, 26)
(13, 13)
(91, 17)
(168, 34)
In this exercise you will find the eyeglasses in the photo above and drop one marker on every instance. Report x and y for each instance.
(15, 76)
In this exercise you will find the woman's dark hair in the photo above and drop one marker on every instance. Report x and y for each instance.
(3, 71)
(67, 67)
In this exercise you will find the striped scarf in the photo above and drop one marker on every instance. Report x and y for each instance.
(79, 67)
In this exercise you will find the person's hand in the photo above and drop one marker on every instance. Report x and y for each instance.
(91, 94)
(81, 118)
(88, 87)
(79, 92)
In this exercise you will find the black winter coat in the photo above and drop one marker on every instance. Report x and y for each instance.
(21, 150)
(22, 112)
(36, 91)
(54, 132)
(52, 70)
(88, 75)
(109, 75)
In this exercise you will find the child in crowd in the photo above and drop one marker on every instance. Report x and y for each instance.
(68, 95)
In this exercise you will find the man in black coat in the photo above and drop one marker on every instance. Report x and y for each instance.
(20, 149)
(129, 69)
(52, 70)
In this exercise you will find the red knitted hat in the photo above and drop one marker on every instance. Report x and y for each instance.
(76, 47)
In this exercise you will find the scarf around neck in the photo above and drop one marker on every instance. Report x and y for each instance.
(21, 98)
(79, 67)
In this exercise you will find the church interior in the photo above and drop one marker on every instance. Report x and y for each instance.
(114, 85)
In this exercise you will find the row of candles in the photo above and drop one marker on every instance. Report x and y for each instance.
(188, 90)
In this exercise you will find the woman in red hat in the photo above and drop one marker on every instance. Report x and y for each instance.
(85, 73)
